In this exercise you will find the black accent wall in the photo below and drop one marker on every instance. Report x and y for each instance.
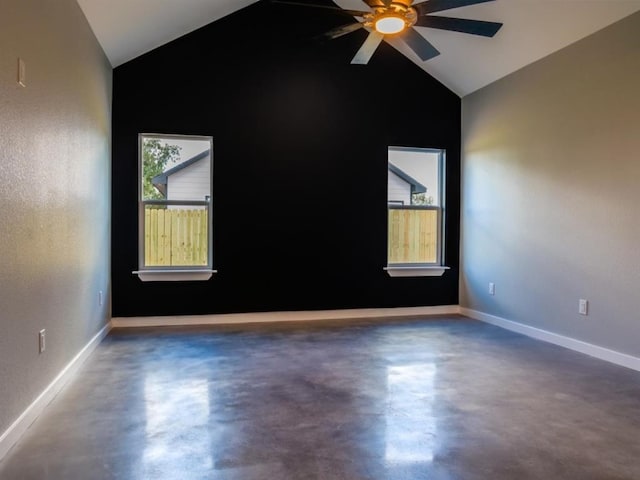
(300, 163)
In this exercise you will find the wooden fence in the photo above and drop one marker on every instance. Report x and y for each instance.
(179, 237)
(175, 236)
(413, 235)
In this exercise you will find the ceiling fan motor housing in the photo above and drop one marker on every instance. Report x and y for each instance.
(398, 11)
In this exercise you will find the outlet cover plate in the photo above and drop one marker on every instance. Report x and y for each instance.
(41, 341)
(583, 306)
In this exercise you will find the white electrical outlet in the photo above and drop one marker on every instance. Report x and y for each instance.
(583, 306)
(22, 73)
(100, 299)
(41, 340)
(492, 288)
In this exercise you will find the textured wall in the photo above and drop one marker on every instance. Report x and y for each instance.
(300, 142)
(550, 191)
(54, 194)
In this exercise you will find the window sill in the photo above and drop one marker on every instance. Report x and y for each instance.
(170, 275)
(407, 271)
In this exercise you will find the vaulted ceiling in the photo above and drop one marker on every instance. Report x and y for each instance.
(532, 30)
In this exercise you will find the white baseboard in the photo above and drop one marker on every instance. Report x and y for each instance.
(9, 438)
(270, 317)
(596, 351)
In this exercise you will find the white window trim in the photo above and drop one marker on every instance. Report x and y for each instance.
(174, 275)
(167, 273)
(426, 270)
(416, 271)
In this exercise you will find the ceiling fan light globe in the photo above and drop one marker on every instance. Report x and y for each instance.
(390, 24)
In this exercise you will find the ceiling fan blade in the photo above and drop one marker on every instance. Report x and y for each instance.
(420, 45)
(432, 6)
(368, 48)
(474, 27)
(355, 13)
(340, 31)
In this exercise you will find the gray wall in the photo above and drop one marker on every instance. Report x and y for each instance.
(54, 194)
(551, 182)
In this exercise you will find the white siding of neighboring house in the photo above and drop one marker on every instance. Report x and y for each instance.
(398, 190)
(190, 183)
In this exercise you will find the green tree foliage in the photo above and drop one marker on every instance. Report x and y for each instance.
(421, 199)
(156, 155)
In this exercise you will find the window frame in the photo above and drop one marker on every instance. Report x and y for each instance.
(436, 268)
(178, 272)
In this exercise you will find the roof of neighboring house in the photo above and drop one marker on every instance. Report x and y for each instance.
(416, 186)
(160, 181)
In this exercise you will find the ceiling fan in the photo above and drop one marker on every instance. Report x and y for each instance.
(398, 17)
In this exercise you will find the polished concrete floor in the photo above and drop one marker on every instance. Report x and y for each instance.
(437, 398)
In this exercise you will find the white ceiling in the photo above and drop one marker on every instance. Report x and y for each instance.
(532, 29)
(129, 28)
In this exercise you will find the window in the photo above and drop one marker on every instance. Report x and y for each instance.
(415, 204)
(175, 207)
